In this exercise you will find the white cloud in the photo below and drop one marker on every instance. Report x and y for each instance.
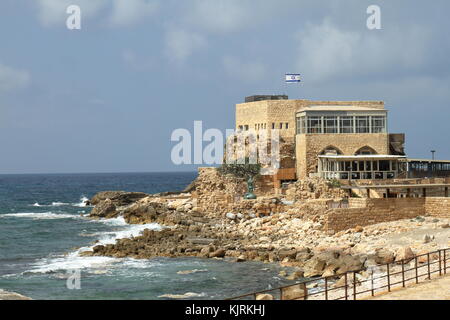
(12, 79)
(126, 12)
(180, 44)
(326, 52)
(251, 71)
(224, 16)
(218, 15)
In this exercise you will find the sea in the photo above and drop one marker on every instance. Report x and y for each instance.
(44, 226)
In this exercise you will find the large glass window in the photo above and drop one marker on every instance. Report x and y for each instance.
(378, 124)
(314, 125)
(384, 165)
(394, 165)
(362, 124)
(346, 124)
(330, 124)
(303, 124)
(375, 165)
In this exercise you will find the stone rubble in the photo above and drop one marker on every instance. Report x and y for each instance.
(210, 219)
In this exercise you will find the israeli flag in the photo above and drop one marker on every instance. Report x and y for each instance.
(292, 77)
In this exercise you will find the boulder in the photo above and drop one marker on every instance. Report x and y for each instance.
(231, 216)
(328, 272)
(295, 275)
(303, 255)
(282, 273)
(104, 209)
(340, 282)
(102, 196)
(294, 292)
(291, 254)
(427, 238)
(405, 254)
(384, 256)
(219, 253)
(264, 296)
(350, 263)
(119, 198)
(6, 295)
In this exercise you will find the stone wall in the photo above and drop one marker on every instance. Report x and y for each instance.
(216, 194)
(251, 113)
(313, 188)
(309, 146)
(363, 212)
(438, 207)
(268, 112)
(376, 211)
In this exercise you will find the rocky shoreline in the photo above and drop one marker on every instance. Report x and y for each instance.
(289, 238)
(6, 295)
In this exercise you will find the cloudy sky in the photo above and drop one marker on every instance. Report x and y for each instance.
(106, 98)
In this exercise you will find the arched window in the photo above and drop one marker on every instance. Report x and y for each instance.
(330, 151)
(365, 150)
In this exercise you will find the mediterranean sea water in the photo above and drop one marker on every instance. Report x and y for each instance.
(44, 227)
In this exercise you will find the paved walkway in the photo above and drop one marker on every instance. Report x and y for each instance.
(436, 289)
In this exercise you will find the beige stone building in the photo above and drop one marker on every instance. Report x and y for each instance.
(346, 140)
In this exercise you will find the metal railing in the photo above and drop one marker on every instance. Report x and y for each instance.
(350, 286)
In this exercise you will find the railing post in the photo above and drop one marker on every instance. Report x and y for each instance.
(440, 265)
(417, 272)
(354, 285)
(305, 291)
(445, 261)
(388, 279)
(429, 272)
(346, 288)
(326, 288)
(371, 282)
(403, 273)
(281, 293)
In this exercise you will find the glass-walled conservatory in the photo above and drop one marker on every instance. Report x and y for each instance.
(316, 120)
(361, 166)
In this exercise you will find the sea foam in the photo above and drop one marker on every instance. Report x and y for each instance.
(41, 215)
(74, 260)
(81, 204)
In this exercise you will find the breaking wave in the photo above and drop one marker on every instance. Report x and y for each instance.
(41, 215)
(81, 204)
(75, 261)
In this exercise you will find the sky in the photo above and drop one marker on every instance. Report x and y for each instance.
(107, 97)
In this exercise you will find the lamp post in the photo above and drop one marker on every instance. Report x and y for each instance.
(432, 154)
